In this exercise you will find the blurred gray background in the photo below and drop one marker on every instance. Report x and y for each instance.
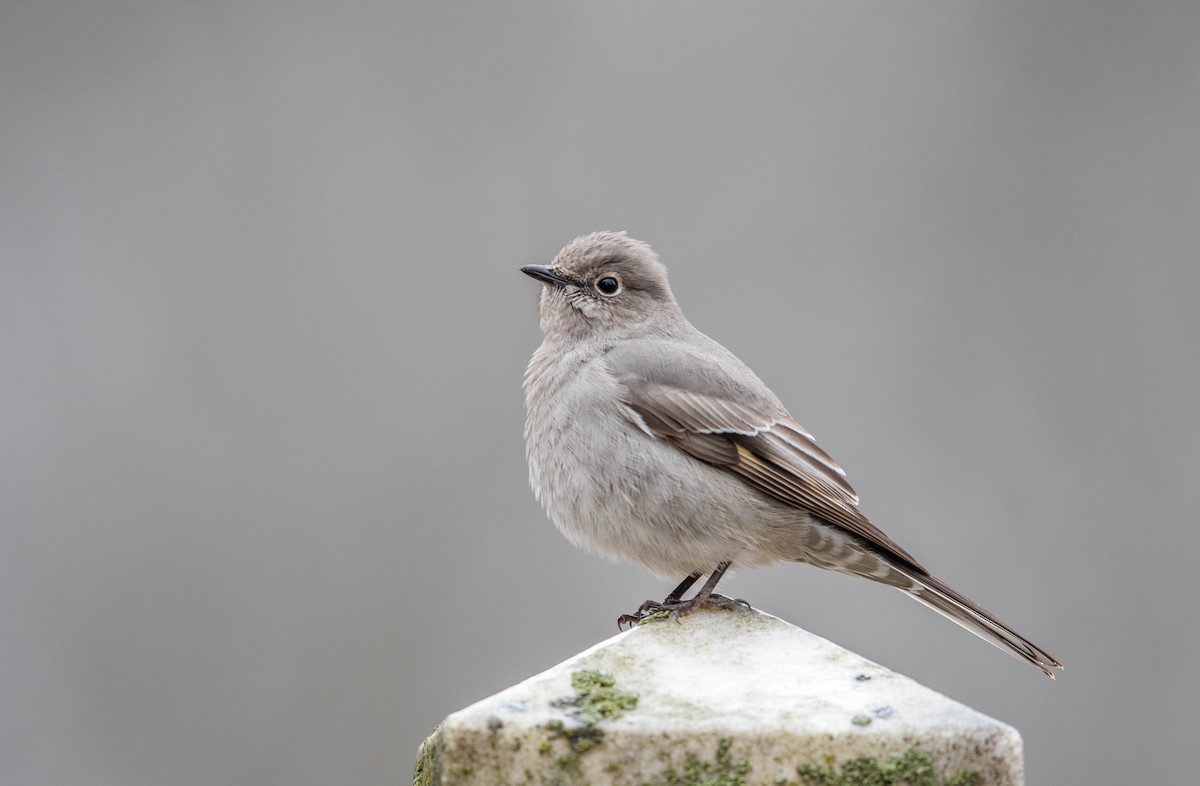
(263, 504)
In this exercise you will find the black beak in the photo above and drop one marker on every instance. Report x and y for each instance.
(544, 273)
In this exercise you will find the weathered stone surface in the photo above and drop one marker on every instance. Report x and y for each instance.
(720, 698)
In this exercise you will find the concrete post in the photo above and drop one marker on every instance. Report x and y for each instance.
(720, 698)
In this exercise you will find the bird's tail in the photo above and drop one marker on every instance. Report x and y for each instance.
(946, 601)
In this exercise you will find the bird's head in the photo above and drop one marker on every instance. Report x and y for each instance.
(605, 283)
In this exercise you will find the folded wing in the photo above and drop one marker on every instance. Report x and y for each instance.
(771, 452)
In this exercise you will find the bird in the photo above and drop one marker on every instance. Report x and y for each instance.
(648, 441)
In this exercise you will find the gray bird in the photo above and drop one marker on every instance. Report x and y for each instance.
(648, 441)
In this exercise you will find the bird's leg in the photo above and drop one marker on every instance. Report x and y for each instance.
(644, 610)
(683, 587)
(700, 598)
(704, 598)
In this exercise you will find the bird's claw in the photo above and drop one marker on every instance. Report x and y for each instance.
(628, 619)
(644, 611)
(679, 608)
(653, 607)
(721, 602)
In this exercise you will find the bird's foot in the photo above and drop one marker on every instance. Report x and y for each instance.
(716, 601)
(677, 608)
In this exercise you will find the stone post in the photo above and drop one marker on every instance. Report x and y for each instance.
(720, 698)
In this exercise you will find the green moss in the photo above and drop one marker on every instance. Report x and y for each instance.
(912, 768)
(722, 771)
(655, 617)
(597, 696)
(581, 738)
(965, 778)
(428, 771)
(596, 699)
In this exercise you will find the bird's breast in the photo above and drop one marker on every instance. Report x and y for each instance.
(613, 489)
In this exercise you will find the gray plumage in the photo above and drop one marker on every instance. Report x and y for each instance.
(650, 442)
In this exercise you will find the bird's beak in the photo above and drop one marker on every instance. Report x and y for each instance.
(544, 273)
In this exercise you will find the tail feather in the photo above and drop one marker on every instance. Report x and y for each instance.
(955, 606)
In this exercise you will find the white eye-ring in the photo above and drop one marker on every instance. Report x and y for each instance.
(608, 284)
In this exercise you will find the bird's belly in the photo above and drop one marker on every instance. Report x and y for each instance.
(632, 497)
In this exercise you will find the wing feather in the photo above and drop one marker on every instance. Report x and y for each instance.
(770, 452)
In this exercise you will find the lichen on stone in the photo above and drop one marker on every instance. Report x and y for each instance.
(912, 768)
(722, 771)
(597, 697)
(581, 738)
(655, 617)
(965, 777)
(429, 759)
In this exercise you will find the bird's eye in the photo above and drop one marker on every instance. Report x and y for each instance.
(608, 285)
